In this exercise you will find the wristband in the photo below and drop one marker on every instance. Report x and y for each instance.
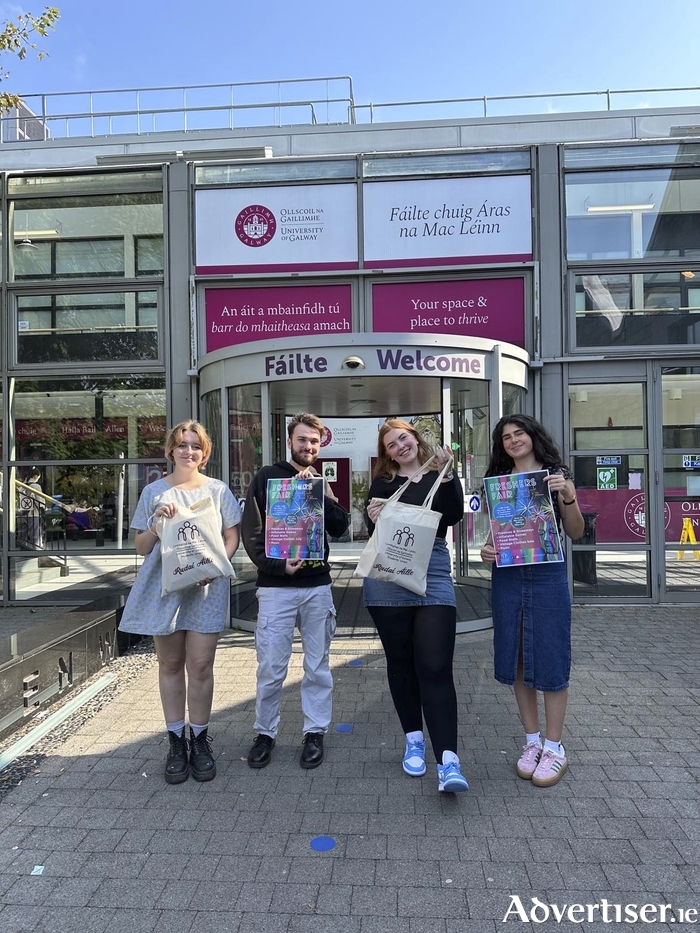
(570, 502)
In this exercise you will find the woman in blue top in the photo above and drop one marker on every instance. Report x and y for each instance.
(531, 604)
(185, 624)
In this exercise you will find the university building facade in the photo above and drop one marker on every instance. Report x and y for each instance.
(449, 271)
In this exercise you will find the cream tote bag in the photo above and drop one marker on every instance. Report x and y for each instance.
(400, 548)
(192, 547)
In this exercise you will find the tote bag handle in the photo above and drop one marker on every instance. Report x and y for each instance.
(427, 503)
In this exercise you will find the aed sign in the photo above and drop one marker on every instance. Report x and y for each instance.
(607, 477)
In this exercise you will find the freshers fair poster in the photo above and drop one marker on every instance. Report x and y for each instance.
(523, 523)
(294, 527)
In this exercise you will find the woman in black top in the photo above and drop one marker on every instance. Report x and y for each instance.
(418, 632)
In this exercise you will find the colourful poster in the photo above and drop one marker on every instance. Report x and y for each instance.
(294, 521)
(523, 523)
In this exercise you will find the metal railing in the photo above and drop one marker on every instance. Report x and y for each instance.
(521, 104)
(289, 102)
(239, 105)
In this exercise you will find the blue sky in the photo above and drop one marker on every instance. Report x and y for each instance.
(393, 51)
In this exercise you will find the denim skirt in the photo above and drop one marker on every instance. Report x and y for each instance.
(440, 590)
(537, 594)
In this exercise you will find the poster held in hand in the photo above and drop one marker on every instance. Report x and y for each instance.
(523, 521)
(294, 519)
(192, 547)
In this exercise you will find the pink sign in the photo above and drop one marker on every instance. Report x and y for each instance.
(493, 308)
(240, 315)
(621, 514)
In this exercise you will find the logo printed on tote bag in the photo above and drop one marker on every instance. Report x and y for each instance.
(188, 527)
(400, 532)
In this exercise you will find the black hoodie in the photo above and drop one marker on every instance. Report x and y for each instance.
(271, 569)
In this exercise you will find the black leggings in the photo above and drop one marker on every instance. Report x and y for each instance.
(419, 643)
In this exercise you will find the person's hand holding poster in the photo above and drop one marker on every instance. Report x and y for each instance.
(523, 522)
(294, 528)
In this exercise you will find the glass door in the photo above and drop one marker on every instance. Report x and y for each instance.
(680, 469)
(470, 442)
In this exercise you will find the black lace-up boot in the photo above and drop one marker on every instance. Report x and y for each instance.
(177, 768)
(202, 762)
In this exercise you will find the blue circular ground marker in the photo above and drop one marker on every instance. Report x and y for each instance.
(356, 662)
(322, 843)
(343, 727)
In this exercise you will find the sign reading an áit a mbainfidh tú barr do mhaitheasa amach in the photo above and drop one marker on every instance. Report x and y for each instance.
(523, 523)
(294, 519)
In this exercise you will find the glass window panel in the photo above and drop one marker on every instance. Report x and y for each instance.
(32, 258)
(598, 238)
(647, 154)
(89, 257)
(273, 171)
(680, 390)
(245, 437)
(85, 327)
(149, 255)
(89, 182)
(212, 422)
(606, 417)
(89, 418)
(682, 519)
(612, 498)
(610, 573)
(618, 309)
(513, 399)
(632, 214)
(470, 163)
(77, 507)
(683, 571)
(245, 459)
(65, 237)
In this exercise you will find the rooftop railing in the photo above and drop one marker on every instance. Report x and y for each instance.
(293, 102)
(243, 105)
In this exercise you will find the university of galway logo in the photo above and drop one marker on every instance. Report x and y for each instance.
(255, 225)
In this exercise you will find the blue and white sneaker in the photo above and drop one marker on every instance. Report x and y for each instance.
(414, 758)
(450, 778)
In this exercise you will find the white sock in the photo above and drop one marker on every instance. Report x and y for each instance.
(413, 738)
(450, 758)
(197, 729)
(175, 727)
(555, 747)
(533, 737)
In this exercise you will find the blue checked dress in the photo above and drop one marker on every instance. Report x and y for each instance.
(202, 609)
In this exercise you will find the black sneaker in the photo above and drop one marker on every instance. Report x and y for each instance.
(177, 767)
(202, 761)
(312, 752)
(260, 753)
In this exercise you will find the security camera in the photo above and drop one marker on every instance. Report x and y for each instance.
(353, 362)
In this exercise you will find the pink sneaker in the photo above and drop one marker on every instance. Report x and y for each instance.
(529, 760)
(552, 768)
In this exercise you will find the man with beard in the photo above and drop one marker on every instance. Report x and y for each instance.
(292, 592)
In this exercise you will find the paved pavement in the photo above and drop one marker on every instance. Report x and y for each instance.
(121, 850)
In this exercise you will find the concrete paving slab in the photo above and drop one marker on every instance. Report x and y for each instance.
(120, 849)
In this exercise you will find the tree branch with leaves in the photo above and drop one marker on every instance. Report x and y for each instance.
(17, 37)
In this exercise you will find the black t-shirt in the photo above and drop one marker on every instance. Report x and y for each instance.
(449, 498)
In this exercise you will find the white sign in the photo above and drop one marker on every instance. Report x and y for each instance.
(447, 219)
(330, 471)
(305, 226)
(474, 502)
